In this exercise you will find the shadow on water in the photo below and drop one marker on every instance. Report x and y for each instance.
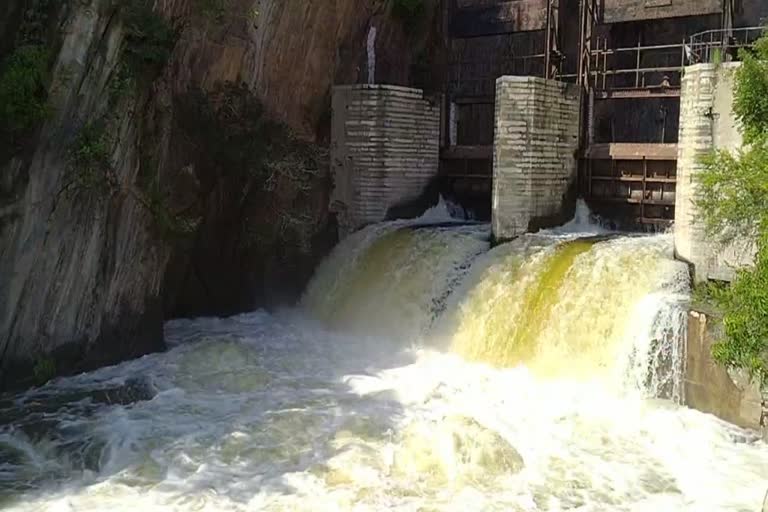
(232, 409)
(44, 432)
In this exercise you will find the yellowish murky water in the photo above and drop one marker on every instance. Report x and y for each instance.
(422, 372)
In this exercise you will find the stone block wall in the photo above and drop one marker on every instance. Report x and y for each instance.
(384, 150)
(534, 156)
(707, 123)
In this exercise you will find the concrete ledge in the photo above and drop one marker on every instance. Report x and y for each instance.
(379, 87)
(467, 152)
(631, 151)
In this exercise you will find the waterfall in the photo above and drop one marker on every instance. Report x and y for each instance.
(396, 285)
(584, 222)
(563, 306)
(422, 370)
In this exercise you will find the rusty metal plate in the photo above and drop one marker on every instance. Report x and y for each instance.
(617, 11)
(490, 17)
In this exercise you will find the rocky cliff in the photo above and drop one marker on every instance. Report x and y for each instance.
(168, 158)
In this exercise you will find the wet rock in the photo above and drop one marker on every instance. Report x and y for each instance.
(36, 412)
(49, 432)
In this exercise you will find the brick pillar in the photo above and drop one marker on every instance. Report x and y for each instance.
(534, 155)
(707, 123)
(385, 149)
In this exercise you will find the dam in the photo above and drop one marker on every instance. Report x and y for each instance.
(422, 370)
(332, 284)
(543, 102)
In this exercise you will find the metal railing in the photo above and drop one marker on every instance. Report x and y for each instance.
(478, 77)
(651, 66)
(606, 62)
(635, 67)
(661, 65)
(720, 45)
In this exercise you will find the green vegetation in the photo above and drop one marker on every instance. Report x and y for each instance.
(119, 84)
(44, 370)
(216, 10)
(90, 170)
(238, 146)
(411, 13)
(231, 121)
(242, 141)
(734, 200)
(717, 56)
(751, 99)
(211, 9)
(170, 225)
(23, 91)
(746, 321)
(88, 162)
(37, 22)
(707, 295)
(149, 39)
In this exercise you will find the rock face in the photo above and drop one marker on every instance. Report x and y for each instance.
(196, 185)
(728, 394)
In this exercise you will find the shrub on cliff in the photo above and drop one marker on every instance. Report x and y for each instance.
(23, 91)
(240, 145)
(751, 95)
(409, 12)
(211, 9)
(733, 197)
(88, 162)
(149, 38)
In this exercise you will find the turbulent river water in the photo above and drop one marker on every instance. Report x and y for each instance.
(422, 371)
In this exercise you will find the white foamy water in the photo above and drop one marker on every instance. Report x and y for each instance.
(584, 223)
(310, 411)
(444, 211)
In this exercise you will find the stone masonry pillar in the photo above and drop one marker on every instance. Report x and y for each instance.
(385, 149)
(707, 123)
(534, 155)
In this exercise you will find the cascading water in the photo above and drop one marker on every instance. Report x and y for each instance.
(396, 287)
(423, 371)
(565, 308)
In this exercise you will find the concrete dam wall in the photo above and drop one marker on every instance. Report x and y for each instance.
(386, 142)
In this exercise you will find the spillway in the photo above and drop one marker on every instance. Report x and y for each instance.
(423, 370)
